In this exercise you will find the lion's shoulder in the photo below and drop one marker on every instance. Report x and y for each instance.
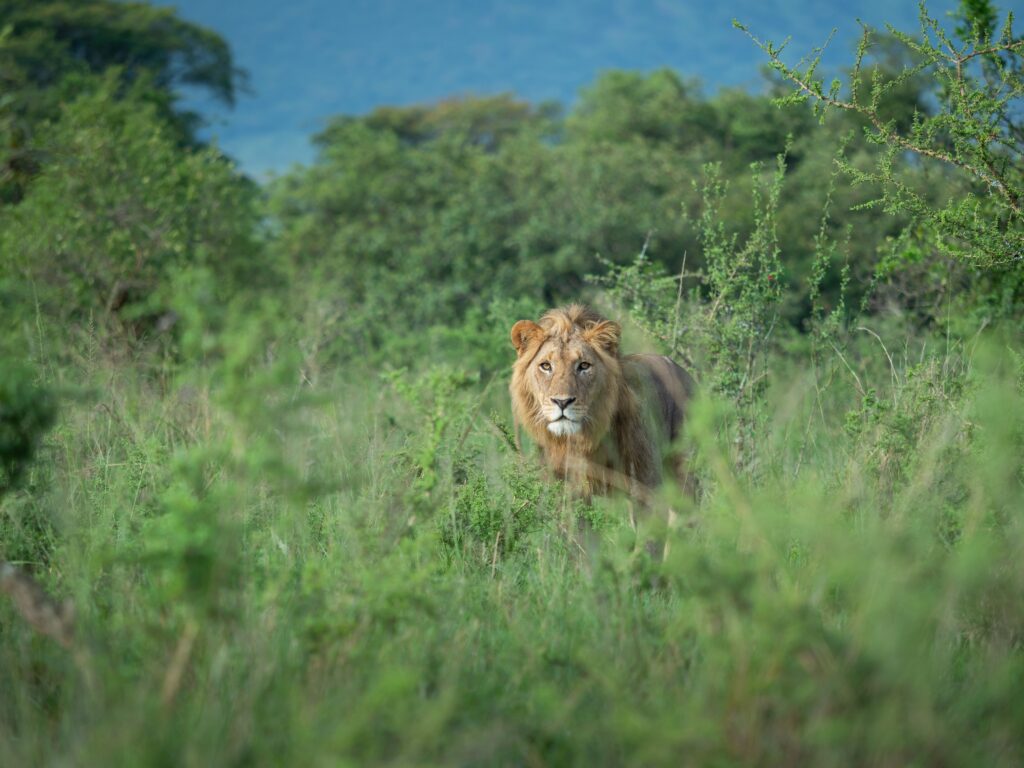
(663, 389)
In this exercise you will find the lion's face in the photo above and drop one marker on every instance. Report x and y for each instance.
(565, 378)
(569, 376)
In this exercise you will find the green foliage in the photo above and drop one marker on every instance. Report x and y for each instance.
(485, 122)
(26, 412)
(50, 49)
(189, 545)
(116, 210)
(382, 215)
(823, 618)
(976, 17)
(625, 106)
(484, 199)
(436, 393)
(974, 131)
(488, 199)
(495, 517)
(724, 326)
(47, 40)
(890, 432)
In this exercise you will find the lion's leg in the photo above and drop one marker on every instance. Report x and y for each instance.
(673, 519)
(679, 462)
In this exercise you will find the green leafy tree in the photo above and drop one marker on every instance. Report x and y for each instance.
(484, 121)
(116, 209)
(661, 106)
(50, 39)
(403, 199)
(43, 43)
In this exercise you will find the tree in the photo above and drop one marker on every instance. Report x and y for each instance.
(48, 48)
(52, 38)
(117, 208)
(660, 107)
(484, 121)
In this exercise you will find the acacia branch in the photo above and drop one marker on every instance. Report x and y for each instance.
(993, 178)
(1000, 48)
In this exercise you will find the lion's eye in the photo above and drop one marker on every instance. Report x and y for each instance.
(583, 366)
(545, 366)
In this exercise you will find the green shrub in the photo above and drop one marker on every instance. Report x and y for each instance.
(118, 208)
(26, 412)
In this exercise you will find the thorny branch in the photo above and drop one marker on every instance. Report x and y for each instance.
(990, 175)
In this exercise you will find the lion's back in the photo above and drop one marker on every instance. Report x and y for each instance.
(667, 386)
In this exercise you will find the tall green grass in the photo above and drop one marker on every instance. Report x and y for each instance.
(366, 571)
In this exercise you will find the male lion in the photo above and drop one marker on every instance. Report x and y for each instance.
(602, 420)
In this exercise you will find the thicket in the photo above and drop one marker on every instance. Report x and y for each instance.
(260, 501)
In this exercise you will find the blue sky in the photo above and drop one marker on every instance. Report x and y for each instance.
(311, 59)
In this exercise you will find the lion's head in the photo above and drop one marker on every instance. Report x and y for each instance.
(567, 376)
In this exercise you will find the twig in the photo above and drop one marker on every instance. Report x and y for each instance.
(892, 367)
(860, 386)
(494, 558)
(679, 301)
(992, 178)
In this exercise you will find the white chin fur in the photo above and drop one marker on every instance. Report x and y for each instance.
(563, 427)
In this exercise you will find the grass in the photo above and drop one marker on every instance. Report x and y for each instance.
(365, 572)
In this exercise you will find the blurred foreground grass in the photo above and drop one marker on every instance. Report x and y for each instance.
(366, 572)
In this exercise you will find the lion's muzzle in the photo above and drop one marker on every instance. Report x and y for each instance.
(564, 415)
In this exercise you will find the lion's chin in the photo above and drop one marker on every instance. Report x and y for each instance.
(563, 427)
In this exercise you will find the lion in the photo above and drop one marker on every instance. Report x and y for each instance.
(602, 420)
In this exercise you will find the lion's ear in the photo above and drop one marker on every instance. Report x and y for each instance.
(523, 333)
(605, 334)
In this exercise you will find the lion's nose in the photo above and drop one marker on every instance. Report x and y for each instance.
(563, 402)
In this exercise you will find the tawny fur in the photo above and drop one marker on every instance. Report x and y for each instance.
(630, 408)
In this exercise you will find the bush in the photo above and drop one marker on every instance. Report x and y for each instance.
(26, 412)
(117, 209)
